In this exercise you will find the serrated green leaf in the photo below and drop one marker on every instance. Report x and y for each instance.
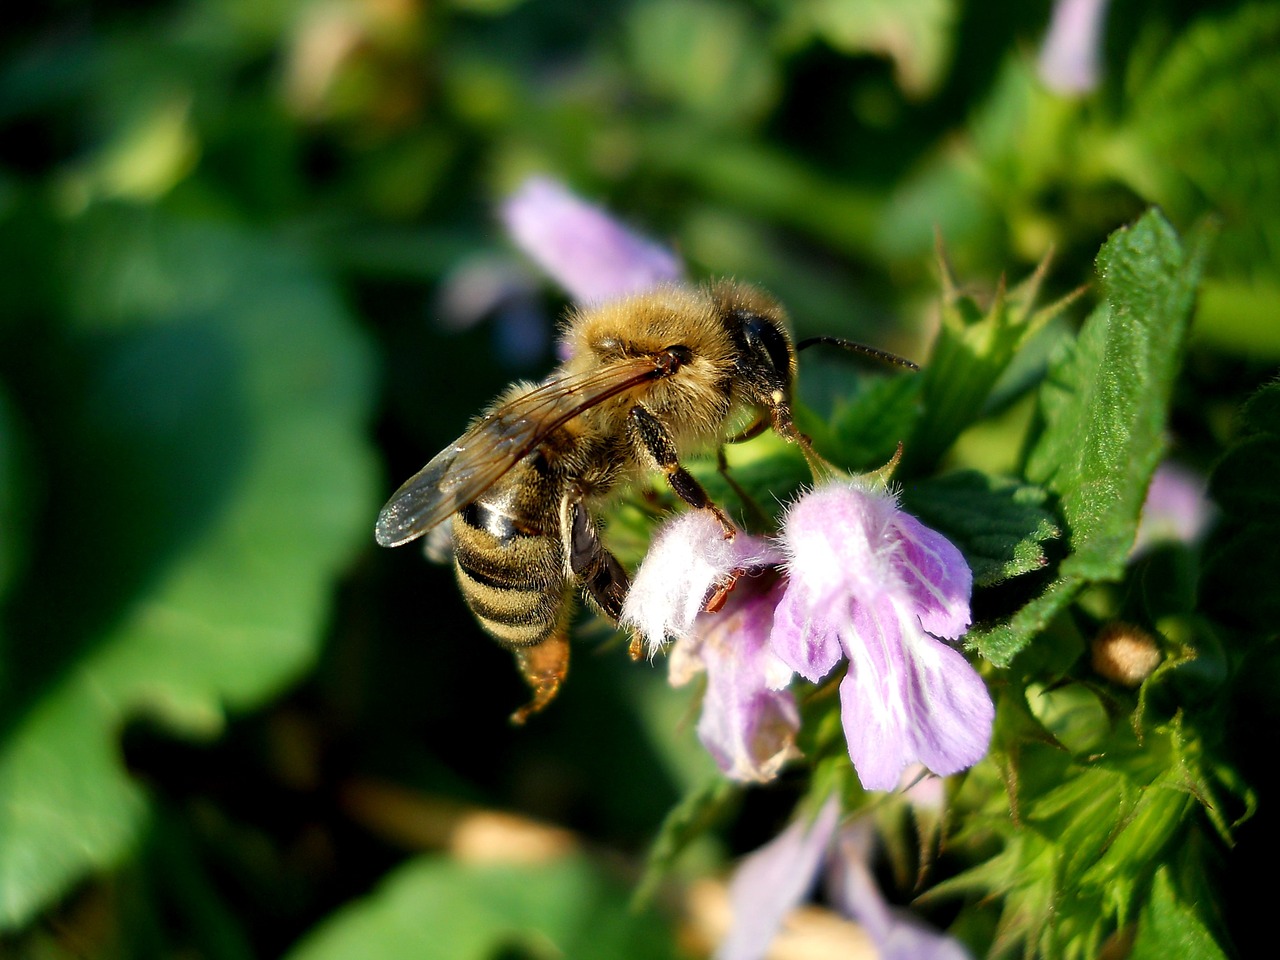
(999, 524)
(225, 483)
(436, 908)
(1105, 403)
(1170, 926)
(1001, 642)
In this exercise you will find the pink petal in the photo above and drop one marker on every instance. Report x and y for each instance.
(909, 698)
(896, 933)
(1072, 52)
(747, 725)
(688, 557)
(936, 576)
(837, 541)
(773, 881)
(580, 246)
(805, 643)
(1177, 508)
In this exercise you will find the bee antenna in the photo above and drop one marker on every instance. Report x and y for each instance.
(884, 356)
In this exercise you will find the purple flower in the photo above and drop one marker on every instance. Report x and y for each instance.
(748, 722)
(775, 879)
(1177, 508)
(591, 255)
(1072, 51)
(864, 583)
(874, 586)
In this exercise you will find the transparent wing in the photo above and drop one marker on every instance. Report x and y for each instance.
(474, 462)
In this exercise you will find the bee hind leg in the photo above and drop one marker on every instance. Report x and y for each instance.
(544, 667)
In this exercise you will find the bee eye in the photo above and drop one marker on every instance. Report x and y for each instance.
(763, 335)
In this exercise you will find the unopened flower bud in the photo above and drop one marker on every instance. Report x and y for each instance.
(1125, 654)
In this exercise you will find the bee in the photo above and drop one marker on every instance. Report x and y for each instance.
(648, 381)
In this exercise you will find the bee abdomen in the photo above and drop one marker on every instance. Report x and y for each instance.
(514, 583)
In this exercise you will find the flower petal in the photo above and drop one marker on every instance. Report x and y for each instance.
(689, 556)
(805, 643)
(908, 697)
(591, 255)
(1072, 52)
(837, 542)
(896, 933)
(1177, 509)
(935, 575)
(747, 725)
(773, 880)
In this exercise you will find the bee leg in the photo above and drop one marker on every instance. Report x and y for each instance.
(543, 666)
(653, 439)
(758, 516)
(598, 570)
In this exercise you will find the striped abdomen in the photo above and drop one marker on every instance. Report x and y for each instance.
(511, 574)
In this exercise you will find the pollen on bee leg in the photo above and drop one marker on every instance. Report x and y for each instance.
(543, 666)
(720, 591)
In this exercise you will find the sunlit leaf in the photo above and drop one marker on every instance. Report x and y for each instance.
(1104, 405)
(185, 566)
(435, 908)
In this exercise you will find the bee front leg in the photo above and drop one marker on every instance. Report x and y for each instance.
(651, 437)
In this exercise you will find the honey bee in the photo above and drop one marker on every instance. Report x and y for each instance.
(648, 380)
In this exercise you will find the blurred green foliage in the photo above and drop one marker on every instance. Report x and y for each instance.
(239, 250)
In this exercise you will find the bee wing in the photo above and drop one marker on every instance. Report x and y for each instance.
(468, 467)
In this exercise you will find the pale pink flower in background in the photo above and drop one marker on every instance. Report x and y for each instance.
(581, 247)
(1071, 57)
(852, 887)
(1177, 508)
(777, 878)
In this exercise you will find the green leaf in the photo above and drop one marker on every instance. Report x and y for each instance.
(1201, 135)
(705, 55)
(1105, 403)
(1001, 642)
(916, 35)
(684, 823)
(999, 524)
(1104, 407)
(869, 424)
(1169, 926)
(222, 482)
(436, 908)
